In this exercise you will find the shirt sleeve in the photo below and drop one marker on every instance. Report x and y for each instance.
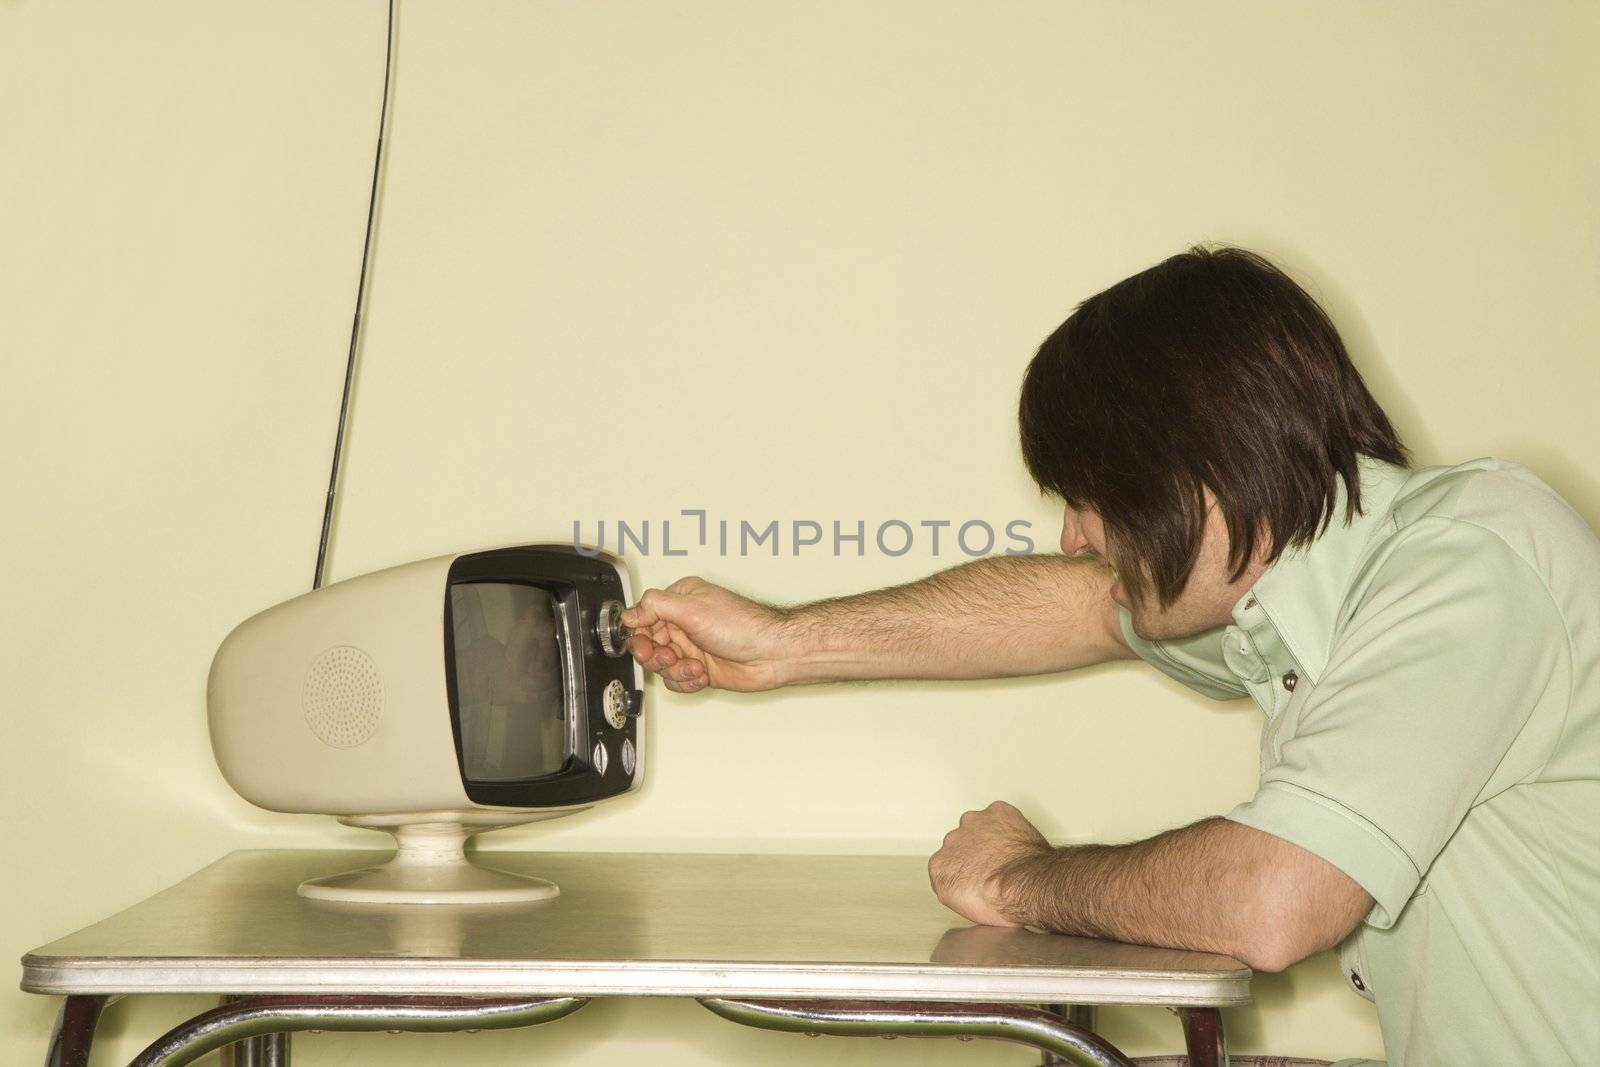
(1451, 642)
(1195, 661)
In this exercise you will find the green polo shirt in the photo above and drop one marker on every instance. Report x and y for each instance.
(1430, 675)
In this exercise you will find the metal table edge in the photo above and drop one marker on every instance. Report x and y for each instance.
(90, 976)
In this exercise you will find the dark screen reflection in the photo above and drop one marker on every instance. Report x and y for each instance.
(509, 689)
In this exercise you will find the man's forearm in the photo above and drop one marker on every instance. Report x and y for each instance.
(1215, 886)
(995, 617)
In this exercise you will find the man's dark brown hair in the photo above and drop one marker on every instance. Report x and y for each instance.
(1212, 369)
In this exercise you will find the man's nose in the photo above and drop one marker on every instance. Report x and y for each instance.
(1073, 543)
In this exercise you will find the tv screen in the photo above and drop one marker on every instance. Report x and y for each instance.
(511, 691)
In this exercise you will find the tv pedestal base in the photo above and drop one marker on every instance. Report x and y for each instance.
(430, 865)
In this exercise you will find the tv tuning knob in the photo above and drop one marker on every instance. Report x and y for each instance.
(610, 631)
(614, 702)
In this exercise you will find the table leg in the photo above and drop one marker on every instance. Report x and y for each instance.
(279, 1016)
(1042, 1029)
(73, 1035)
(272, 1050)
(267, 1050)
(1202, 1036)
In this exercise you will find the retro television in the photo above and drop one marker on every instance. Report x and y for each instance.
(436, 700)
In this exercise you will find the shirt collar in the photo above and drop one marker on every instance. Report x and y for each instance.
(1300, 594)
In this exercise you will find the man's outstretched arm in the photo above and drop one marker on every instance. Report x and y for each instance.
(991, 618)
(1215, 886)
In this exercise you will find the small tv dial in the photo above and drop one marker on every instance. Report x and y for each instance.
(614, 702)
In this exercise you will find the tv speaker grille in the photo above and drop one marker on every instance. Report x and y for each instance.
(343, 697)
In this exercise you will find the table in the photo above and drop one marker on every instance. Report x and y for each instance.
(853, 945)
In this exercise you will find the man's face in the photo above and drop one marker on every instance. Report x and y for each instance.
(1206, 601)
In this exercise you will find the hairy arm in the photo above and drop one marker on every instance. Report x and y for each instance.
(1215, 886)
(991, 618)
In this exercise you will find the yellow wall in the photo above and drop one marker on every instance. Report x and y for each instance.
(773, 260)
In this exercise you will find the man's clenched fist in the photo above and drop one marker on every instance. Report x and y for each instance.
(968, 870)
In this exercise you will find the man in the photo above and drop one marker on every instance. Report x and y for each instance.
(1425, 645)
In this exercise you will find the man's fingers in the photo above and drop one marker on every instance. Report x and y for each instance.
(653, 609)
(685, 670)
(693, 685)
(650, 655)
(666, 652)
(679, 641)
(640, 616)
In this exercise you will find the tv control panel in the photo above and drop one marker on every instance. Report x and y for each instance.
(602, 699)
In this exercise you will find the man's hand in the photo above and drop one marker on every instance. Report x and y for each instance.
(695, 634)
(967, 870)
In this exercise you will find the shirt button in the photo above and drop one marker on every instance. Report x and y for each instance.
(1291, 680)
(1355, 980)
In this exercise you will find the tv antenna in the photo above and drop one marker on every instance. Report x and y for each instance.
(355, 324)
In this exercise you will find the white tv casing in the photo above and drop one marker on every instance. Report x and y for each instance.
(336, 703)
